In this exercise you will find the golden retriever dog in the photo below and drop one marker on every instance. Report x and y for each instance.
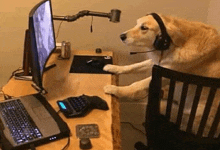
(177, 44)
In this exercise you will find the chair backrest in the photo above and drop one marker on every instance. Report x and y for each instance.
(196, 109)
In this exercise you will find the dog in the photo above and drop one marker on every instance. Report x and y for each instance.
(177, 44)
(174, 43)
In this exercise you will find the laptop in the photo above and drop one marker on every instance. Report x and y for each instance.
(29, 121)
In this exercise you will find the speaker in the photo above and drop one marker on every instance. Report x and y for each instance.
(162, 41)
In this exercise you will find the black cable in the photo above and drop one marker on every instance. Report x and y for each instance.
(134, 127)
(131, 53)
(67, 144)
(18, 74)
(32, 147)
(91, 28)
(59, 29)
(14, 73)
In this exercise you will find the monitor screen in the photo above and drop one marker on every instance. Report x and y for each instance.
(42, 38)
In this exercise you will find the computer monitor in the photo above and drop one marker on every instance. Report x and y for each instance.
(42, 39)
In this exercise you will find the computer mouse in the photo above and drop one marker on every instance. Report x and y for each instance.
(85, 143)
(96, 62)
(99, 103)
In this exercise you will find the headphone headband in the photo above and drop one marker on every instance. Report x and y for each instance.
(162, 41)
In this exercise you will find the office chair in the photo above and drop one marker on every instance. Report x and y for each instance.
(163, 133)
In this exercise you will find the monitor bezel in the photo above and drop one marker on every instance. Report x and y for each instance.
(35, 66)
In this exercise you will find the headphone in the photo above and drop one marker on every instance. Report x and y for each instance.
(162, 42)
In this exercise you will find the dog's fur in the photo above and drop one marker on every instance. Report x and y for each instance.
(195, 49)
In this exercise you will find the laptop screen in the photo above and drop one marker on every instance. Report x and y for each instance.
(42, 38)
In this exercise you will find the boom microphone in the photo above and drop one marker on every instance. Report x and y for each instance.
(132, 53)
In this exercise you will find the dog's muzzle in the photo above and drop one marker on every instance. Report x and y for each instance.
(123, 36)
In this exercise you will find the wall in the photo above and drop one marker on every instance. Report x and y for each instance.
(213, 17)
(14, 21)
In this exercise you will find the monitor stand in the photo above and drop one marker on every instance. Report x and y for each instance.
(26, 55)
(49, 67)
(25, 74)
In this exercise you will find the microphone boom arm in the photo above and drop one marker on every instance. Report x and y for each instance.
(114, 15)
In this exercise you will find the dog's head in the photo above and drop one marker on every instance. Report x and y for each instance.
(150, 32)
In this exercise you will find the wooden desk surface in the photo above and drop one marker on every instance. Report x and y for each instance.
(59, 84)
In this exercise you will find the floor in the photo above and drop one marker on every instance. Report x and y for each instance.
(132, 115)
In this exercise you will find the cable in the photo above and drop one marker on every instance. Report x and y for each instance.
(91, 28)
(32, 147)
(131, 53)
(67, 144)
(59, 29)
(134, 127)
(14, 72)
(18, 75)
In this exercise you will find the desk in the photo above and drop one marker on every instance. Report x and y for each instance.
(59, 84)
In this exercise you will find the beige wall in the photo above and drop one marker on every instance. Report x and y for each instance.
(14, 21)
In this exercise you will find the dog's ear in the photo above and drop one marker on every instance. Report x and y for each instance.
(176, 35)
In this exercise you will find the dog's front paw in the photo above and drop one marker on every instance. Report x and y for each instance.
(115, 90)
(125, 91)
(110, 89)
(113, 69)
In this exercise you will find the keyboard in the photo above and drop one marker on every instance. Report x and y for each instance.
(21, 126)
(75, 106)
(80, 106)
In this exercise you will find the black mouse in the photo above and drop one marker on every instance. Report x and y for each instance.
(96, 62)
(99, 103)
(85, 143)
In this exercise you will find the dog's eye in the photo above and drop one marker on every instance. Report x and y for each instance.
(144, 27)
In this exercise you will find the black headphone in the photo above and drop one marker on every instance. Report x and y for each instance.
(162, 42)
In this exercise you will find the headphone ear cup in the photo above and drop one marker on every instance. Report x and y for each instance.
(161, 43)
(158, 42)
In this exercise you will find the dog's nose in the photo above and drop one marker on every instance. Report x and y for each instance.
(123, 36)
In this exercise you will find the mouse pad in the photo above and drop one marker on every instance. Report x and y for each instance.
(80, 65)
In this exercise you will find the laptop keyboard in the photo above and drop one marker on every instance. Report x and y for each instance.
(21, 126)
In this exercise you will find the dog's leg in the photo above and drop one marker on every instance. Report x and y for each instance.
(137, 67)
(137, 90)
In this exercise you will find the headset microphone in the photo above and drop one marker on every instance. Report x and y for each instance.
(132, 53)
